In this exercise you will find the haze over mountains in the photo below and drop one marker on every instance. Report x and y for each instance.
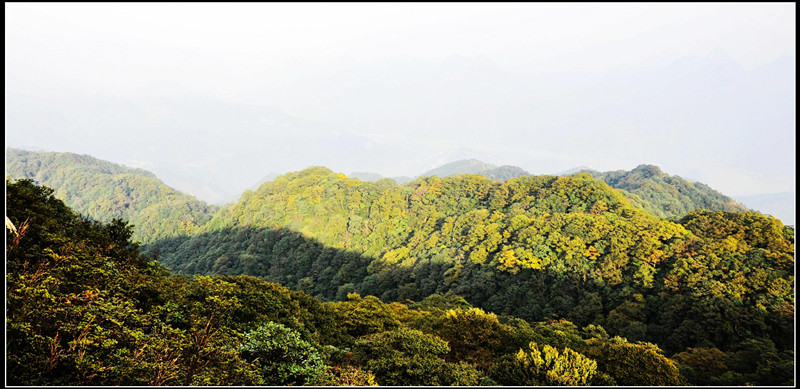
(401, 116)
(103, 190)
(83, 181)
(527, 248)
(782, 205)
(646, 185)
(698, 107)
(538, 194)
(564, 267)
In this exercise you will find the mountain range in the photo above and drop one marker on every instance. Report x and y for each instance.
(645, 186)
(104, 191)
(599, 272)
(664, 195)
(433, 113)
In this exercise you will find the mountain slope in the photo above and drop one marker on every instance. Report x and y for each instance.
(504, 172)
(576, 169)
(103, 191)
(101, 314)
(473, 166)
(534, 247)
(440, 219)
(664, 195)
(713, 285)
(464, 166)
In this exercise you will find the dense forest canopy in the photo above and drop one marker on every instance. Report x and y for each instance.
(104, 191)
(646, 186)
(533, 247)
(88, 185)
(557, 280)
(664, 195)
(86, 307)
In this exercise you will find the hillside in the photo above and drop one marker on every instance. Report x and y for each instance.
(473, 166)
(103, 191)
(465, 166)
(534, 247)
(104, 314)
(664, 195)
(717, 286)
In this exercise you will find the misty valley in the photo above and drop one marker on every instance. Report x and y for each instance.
(468, 274)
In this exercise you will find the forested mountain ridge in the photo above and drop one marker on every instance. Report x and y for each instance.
(439, 223)
(85, 307)
(664, 195)
(474, 166)
(534, 247)
(103, 190)
(646, 186)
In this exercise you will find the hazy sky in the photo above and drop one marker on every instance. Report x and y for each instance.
(543, 86)
(222, 46)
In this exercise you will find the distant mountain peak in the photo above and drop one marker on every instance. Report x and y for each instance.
(719, 54)
(649, 171)
(365, 176)
(577, 169)
(474, 166)
(463, 166)
(664, 195)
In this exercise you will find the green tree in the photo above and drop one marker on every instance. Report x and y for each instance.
(633, 364)
(411, 357)
(283, 356)
(544, 365)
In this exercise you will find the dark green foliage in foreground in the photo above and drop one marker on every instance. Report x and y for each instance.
(284, 357)
(664, 195)
(85, 307)
(640, 364)
(545, 366)
(531, 247)
(105, 191)
(411, 357)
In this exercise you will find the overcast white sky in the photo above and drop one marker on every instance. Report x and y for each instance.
(313, 59)
(230, 43)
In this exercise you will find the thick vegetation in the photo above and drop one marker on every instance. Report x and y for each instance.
(584, 285)
(103, 190)
(106, 191)
(664, 195)
(85, 307)
(531, 247)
